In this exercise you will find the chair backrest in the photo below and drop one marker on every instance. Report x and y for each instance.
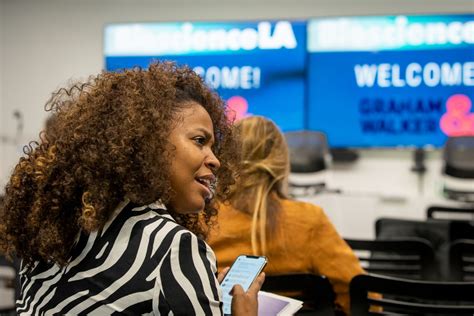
(439, 232)
(436, 232)
(409, 297)
(7, 289)
(448, 212)
(314, 290)
(411, 258)
(459, 168)
(458, 154)
(308, 150)
(460, 220)
(461, 260)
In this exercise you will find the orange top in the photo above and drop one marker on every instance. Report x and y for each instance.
(305, 241)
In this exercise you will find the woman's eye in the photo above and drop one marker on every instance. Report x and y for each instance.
(200, 140)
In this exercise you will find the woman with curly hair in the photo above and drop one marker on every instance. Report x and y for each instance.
(109, 209)
(295, 236)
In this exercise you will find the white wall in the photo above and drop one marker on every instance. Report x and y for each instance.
(2, 153)
(2, 119)
(45, 43)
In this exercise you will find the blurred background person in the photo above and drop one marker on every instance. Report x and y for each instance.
(260, 219)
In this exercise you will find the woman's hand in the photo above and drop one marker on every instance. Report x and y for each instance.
(221, 275)
(246, 303)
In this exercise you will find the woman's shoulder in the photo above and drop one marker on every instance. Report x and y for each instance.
(148, 223)
(226, 211)
(166, 237)
(304, 213)
(301, 207)
(148, 218)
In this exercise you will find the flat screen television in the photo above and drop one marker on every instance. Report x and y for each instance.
(391, 81)
(257, 67)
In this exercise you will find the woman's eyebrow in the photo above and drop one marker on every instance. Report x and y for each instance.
(206, 133)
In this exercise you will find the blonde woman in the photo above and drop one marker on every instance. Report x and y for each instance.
(260, 219)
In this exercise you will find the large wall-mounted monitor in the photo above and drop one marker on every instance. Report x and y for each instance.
(391, 81)
(257, 67)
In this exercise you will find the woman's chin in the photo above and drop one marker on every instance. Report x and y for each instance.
(191, 209)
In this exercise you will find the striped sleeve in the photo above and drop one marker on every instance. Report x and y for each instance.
(186, 282)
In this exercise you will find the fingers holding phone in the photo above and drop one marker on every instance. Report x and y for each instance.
(256, 284)
(221, 275)
(244, 279)
(246, 303)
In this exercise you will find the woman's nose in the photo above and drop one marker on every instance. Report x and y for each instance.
(212, 162)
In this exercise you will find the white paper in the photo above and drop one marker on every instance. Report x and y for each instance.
(270, 304)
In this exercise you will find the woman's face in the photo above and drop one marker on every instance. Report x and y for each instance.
(193, 164)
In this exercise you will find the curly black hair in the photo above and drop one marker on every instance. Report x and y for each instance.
(106, 140)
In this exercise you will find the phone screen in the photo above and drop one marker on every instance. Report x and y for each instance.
(243, 271)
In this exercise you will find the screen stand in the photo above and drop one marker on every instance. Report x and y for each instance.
(419, 166)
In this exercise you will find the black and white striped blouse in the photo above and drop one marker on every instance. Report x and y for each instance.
(141, 262)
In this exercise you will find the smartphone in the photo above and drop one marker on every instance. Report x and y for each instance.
(243, 271)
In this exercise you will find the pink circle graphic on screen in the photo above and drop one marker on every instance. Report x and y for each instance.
(237, 107)
(458, 119)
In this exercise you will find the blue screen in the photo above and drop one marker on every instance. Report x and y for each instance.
(257, 67)
(391, 81)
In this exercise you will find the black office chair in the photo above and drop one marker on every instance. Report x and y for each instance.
(439, 232)
(458, 170)
(8, 276)
(411, 258)
(448, 212)
(314, 290)
(409, 297)
(309, 154)
(309, 151)
(436, 232)
(461, 220)
(461, 260)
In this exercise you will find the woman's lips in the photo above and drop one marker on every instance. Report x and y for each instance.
(209, 192)
(209, 183)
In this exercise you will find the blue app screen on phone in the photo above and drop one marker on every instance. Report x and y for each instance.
(244, 270)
